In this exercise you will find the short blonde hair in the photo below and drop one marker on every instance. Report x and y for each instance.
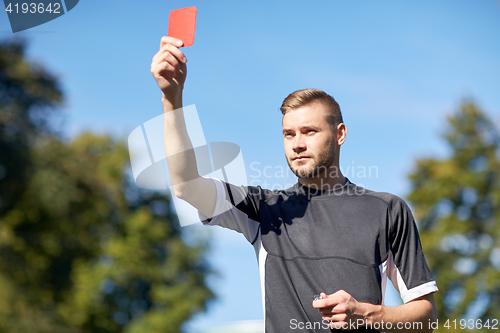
(307, 96)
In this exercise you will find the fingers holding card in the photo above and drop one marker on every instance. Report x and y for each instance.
(182, 25)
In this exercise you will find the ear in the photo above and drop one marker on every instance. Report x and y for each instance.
(341, 133)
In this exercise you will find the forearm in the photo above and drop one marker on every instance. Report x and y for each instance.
(417, 315)
(178, 147)
(184, 176)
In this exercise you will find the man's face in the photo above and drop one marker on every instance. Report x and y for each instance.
(309, 142)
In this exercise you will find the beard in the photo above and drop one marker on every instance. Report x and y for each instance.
(321, 164)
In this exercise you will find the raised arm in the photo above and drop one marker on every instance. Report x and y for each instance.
(169, 69)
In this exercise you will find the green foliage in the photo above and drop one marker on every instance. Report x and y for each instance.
(28, 96)
(82, 248)
(457, 201)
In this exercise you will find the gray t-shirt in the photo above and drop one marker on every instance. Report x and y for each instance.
(309, 241)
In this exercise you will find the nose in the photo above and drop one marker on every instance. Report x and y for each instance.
(299, 145)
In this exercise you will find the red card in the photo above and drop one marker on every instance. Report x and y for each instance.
(182, 24)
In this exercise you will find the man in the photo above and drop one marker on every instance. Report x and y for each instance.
(325, 234)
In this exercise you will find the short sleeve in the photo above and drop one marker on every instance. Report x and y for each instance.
(236, 208)
(408, 270)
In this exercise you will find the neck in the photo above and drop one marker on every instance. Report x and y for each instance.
(327, 180)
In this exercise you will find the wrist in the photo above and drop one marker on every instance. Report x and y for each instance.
(171, 103)
(371, 313)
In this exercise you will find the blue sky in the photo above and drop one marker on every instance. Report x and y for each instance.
(396, 68)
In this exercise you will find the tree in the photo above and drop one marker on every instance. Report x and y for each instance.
(29, 95)
(457, 201)
(82, 248)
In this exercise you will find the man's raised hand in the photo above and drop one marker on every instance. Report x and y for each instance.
(169, 69)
